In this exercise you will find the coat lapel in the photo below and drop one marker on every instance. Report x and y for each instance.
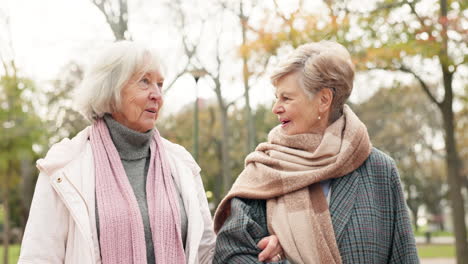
(343, 196)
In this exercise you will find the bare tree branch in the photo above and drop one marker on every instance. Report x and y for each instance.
(8, 65)
(281, 15)
(170, 85)
(413, 11)
(117, 22)
(234, 101)
(190, 50)
(385, 6)
(218, 57)
(423, 84)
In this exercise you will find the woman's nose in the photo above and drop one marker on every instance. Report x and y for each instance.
(155, 94)
(277, 108)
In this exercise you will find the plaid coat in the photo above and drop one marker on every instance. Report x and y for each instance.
(368, 212)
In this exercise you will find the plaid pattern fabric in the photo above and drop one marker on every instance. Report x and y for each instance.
(237, 240)
(368, 211)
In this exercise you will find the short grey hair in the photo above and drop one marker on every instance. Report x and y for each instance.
(100, 90)
(323, 64)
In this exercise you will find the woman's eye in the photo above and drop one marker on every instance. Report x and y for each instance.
(160, 84)
(145, 81)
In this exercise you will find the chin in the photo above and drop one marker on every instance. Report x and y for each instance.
(288, 131)
(149, 127)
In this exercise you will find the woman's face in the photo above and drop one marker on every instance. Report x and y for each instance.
(141, 102)
(297, 113)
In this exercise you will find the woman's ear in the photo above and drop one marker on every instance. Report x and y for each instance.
(326, 98)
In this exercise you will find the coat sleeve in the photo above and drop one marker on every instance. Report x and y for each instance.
(46, 231)
(404, 245)
(238, 237)
(207, 243)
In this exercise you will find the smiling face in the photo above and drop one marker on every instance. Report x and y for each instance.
(297, 113)
(141, 102)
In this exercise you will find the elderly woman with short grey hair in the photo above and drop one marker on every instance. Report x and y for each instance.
(118, 192)
(317, 183)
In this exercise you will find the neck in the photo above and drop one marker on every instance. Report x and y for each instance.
(129, 143)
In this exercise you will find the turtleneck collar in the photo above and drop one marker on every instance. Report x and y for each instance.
(130, 144)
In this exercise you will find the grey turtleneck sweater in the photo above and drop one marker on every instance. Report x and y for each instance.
(134, 152)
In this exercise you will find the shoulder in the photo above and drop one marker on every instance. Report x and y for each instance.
(180, 154)
(378, 170)
(63, 152)
(378, 157)
(378, 162)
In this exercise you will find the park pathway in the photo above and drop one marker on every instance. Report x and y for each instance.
(438, 261)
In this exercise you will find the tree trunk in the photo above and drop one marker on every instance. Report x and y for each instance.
(414, 212)
(225, 161)
(452, 158)
(454, 180)
(251, 138)
(218, 188)
(413, 206)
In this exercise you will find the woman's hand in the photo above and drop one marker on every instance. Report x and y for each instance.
(271, 249)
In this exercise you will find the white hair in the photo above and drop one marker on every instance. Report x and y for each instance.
(100, 90)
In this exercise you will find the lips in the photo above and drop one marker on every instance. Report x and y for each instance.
(284, 121)
(152, 110)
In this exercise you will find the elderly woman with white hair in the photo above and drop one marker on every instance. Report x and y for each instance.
(118, 192)
(317, 183)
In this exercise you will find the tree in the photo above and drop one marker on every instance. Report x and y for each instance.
(246, 74)
(214, 76)
(21, 129)
(434, 37)
(116, 14)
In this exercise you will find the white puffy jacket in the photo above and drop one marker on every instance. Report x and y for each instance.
(62, 222)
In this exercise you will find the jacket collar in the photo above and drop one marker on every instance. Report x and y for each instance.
(344, 192)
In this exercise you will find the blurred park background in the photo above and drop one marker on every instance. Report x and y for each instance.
(410, 90)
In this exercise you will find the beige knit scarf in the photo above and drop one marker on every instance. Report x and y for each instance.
(287, 171)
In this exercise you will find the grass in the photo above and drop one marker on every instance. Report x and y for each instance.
(424, 251)
(436, 251)
(13, 253)
(434, 234)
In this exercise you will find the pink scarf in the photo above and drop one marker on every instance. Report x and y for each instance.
(122, 237)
